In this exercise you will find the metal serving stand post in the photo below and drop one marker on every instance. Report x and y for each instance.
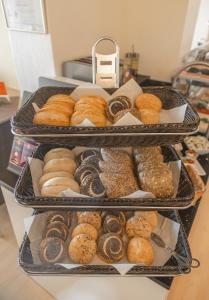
(105, 67)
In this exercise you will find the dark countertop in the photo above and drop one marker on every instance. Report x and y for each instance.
(7, 178)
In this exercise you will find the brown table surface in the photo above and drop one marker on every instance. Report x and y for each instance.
(8, 109)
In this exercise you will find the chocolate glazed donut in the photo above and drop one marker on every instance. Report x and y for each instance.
(51, 250)
(56, 229)
(88, 153)
(112, 224)
(110, 248)
(64, 217)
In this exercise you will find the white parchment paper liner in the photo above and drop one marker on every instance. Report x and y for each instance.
(36, 169)
(167, 229)
(131, 89)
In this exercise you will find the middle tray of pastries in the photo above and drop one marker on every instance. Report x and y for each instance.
(58, 175)
(104, 242)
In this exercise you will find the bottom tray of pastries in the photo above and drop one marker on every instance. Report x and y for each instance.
(104, 242)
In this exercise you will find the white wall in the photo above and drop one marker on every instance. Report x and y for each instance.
(33, 58)
(202, 24)
(7, 65)
(160, 30)
(75, 26)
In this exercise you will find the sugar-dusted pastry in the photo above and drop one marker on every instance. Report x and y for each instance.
(60, 164)
(82, 249)
(119, 185)
(85, 228)
(61, 216)
(149, 116)
(148, 156)
(54, 186)
(149, 216)
(121, 215)
(148, 101)
(149, 164)
(158, 181)
(147, 150)
(138, 226)
(140, 251)
(116, 156)
(56, 229)
(51, 250)
(50, 175)
(112, 224)
(90, 217)
(92, 186)
(110, 248)
(109, 166)
(58, 153)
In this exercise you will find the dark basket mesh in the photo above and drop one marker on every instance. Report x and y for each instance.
(171, 268)
(24, 193)
(22, 123)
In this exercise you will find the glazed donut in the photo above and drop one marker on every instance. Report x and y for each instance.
(112, 224)
(92, 186)
(110, 248)
(51, 250)
(61, 216)
(56, 229)
(88, 153)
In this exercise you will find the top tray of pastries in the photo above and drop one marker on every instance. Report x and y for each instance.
(63, 110)
(58, 113)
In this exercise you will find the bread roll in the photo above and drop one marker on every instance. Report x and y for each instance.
(61, 107)
(138, 226)
(48, 176)
(54, 186)
(58, 153)
(96, 99)
(148, 101)
(82, 249)
(97, 120)
(83, 106)
(60, 164)
(61, 98)
(149, 116)
(140, 251)
(149, 216)
(85, 228)
(51, 117)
